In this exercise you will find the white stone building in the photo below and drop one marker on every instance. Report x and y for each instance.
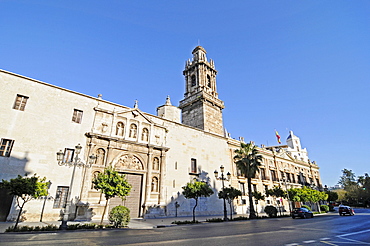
(158, 153)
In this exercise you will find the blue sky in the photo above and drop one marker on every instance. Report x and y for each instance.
(284, 65)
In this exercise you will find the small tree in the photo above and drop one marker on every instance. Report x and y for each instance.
(194, 190)
(229, 193)
(25, 189)
(111, 184)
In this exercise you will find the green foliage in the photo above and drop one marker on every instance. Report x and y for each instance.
(119, 216)
(305, 206)
(215, 220)
(185, 222)
(324, 207)
(276, 191)
(25, 189)
(194, 190)
(230, 193)
(248, 161)
(271, 211)
(32, 228)
(112, 184)
(306, 194)
(241, 218)
(332, 196)
(347, 179)
(258, 196)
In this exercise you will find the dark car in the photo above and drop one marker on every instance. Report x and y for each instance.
(343, 210)
(302, 213)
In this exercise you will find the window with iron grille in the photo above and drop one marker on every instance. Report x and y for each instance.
(20, 102)
(6, 146)
(77, 116)
(61, 196)
(193, 168)
(68, 155)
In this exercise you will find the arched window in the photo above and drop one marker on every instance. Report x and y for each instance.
(154, 184)
(95, 175)
(145, 135)
(120, 127)
(133, 130)
(100, 154)
(193, 80)
(208, 81)
(155, 163)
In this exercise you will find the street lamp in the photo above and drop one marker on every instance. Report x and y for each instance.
(76, 162)
(222, 178)
(286, 188)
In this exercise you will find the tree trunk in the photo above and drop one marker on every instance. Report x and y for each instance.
(20, 211)
(105, 208)
(252, 213)
(231, 210)
(196, 204)
(19, 216)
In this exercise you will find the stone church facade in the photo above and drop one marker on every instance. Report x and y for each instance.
(158, 154)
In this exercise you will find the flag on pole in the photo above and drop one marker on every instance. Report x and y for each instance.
(278, 137)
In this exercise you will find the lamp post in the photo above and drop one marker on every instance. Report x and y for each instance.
(222, 178)
(286, 188)
(76, 162)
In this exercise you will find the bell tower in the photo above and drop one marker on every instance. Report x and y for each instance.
(201, 107)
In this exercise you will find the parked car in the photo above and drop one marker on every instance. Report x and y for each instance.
(343, 210)
(302, 213)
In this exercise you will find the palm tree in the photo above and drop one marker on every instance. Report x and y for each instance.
(248, 162)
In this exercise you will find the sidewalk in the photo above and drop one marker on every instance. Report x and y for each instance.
(137, 223)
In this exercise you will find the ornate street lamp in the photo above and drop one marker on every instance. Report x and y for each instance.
(222, 178)
(76, 162)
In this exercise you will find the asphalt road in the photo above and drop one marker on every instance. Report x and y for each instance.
(329, 229)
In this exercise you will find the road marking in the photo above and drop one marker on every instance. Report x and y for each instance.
(31, 238)
(353, 233)
(324, 238)
(329, 243)
(309, 241)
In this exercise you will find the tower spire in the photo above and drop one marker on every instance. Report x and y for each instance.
(201, 107)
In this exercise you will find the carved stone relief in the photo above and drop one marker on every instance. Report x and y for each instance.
(129, 162)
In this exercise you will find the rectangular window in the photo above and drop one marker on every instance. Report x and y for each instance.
(263, 174)
(193, 168)
(6, 146)
(273, 175)
(254, 187)
(20, 102)
(242, 188)
(287, 175)
(68, 155)
(60, 200)
(77, 116)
